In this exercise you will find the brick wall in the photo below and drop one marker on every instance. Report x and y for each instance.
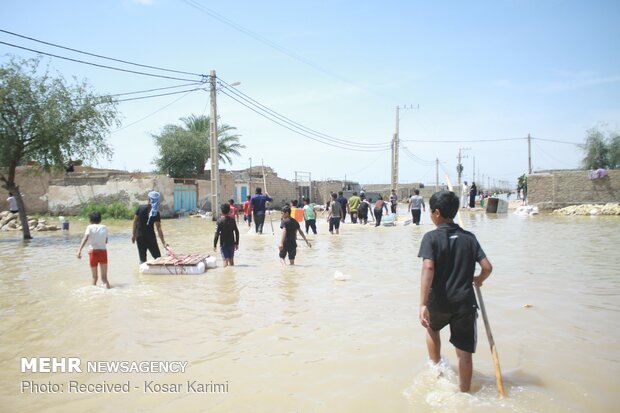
(558, 189)
(33, 187)
(67, 195)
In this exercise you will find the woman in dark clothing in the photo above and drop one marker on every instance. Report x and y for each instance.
(473, 192)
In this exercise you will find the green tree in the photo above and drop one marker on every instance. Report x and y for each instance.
(614, 151)
(46, 120)
(184, 150)
(602, 150)
(522, 184)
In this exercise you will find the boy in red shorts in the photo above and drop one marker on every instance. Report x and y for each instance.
(96, 235)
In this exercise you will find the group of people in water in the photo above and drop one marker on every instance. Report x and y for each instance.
(449, 256)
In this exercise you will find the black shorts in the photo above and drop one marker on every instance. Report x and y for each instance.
(291, 250)
(462, 328)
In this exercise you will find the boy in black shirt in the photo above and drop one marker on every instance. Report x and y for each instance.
(229, 233)
(446, 293)
(288, 243)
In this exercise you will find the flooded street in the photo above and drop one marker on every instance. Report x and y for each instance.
(293, 339)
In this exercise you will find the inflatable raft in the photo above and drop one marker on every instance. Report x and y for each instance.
(179, 264)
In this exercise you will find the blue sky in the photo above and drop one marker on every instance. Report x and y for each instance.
(491, 71)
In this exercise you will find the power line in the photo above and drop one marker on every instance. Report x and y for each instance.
(100, 56)
(552, 157)
(97, 64)
(461, 141)
(416, 158)
(368, 164)
(211, 13)
(158, 95)
(320, 135)
(284, 125)
(152, 113)
(556, 141)
(153, 90)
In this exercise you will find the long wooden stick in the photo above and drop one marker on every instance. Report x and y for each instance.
(498, 371)
(265, 188)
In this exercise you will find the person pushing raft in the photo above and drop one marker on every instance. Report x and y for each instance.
(144, 223)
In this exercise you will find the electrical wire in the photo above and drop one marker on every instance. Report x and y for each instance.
(152, 90)
(366, 166)
(211, 13)
(151, 114)
(552, 157)
(461, 141)
(96, 64)
(320, 135)
(158, 95)
(416, 158)
(100, 56)
(556, 141)
(284, 125)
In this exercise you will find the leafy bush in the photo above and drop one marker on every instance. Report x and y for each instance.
(115, 210)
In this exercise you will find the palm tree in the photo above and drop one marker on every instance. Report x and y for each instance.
(228, 143)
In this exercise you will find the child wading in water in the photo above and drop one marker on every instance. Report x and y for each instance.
(96, 235)
(447, 287)
(288, 243)
(229, 233)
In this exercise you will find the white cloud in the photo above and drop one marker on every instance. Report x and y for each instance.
(145, 2)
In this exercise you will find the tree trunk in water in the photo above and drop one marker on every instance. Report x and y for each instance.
(11, 187)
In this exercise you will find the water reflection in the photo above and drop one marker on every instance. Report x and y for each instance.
(304, 341)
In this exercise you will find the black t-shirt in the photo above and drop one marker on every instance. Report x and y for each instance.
(290, 226)
(455, 253)
(228, 231)
(363, 208)
(144, 230)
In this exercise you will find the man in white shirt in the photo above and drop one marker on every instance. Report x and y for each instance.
(12, 203)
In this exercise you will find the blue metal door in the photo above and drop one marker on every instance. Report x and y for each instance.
(184, 197)
(244, 194)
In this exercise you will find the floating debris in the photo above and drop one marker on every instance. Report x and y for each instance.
(339, 276)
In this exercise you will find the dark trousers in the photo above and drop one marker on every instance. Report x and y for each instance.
(378, 216)
(149, 244)
(311, 223)
(259, 220)
(353, 216)
(416, 214)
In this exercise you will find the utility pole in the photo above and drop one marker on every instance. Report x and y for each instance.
(473, 171)
(215, 171)
(459, 168)
(249, 181)
(436, 174)
(395, 144)
(529, 154)
(395, 147)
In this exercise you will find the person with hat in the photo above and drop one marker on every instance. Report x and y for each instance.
(144, 223)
